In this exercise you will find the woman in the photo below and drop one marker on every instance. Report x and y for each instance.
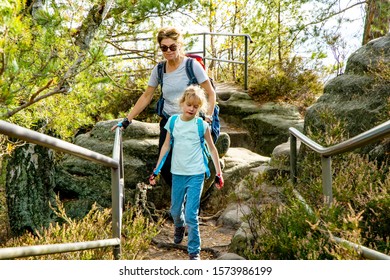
(175, 81)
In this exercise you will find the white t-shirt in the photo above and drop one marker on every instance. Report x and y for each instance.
(187, 154)
(175, 83)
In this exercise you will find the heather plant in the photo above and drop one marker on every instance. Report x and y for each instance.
(137, 233)
(301, 226)
(290, 83)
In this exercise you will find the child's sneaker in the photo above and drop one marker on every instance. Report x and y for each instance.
(179, 234)
(194, 257)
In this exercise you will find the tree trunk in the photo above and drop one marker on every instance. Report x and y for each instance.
(377, 20)
(29, 188)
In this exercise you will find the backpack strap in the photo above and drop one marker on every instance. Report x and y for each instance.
(205, 151)
(190, 72)
(171, 126)
(160, 72)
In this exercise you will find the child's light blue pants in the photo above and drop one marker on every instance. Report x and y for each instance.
(185, 203)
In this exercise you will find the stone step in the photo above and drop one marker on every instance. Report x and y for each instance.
(239, 137)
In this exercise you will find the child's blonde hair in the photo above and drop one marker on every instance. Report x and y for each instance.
(195, 93)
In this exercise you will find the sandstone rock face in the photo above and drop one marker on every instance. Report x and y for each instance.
(269, 127)
(359, 98)
(258, 127)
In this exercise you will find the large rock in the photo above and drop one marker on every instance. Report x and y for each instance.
(258, 127)
(269, 127)
(81, 183)
(359, 98)
(238, 163)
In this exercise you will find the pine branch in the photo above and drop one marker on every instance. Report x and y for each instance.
(87, 32)
(40, 90)
(33, 101)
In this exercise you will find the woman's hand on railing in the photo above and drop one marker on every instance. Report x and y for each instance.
(122, 124)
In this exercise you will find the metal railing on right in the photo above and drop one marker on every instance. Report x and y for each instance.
(117, 184)
(363, 139)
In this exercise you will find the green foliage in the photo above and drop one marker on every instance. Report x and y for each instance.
(283, 231)
(4, 226)
(137, 232)
(52, 62)
(292, 83)
(118, 101)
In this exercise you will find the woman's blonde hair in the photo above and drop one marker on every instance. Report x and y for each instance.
(171, 33)
(195, 93)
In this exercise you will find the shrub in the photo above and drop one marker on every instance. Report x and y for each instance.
(360, 212)
(137, 232)
(290, 83)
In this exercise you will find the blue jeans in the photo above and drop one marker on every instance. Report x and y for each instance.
(185, 203)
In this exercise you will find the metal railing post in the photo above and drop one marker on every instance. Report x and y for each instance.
(116, 220)
(246, 64)
(122, 177)
(204, 49)
(327, 179)
(116, 194)
(293, 158)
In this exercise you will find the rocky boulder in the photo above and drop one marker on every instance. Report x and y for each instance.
(269, 127)
(359, 98)
(258, 127)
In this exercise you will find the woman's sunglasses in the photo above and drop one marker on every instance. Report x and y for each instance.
(171, 47)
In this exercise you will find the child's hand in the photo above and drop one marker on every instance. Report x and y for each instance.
(152, 179)
(219, 181)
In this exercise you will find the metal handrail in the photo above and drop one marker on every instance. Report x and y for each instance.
(374, 134)
(38, 250)
(248, 40)
(246, 37)
(41, 139)
(360, 140)
(117, 182)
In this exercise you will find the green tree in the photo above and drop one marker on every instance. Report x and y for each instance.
(377, 19)
(53, 65)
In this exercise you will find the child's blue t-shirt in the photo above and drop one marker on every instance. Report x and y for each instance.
(187, 154)
(175, 83)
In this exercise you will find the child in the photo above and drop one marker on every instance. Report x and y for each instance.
(188, 166)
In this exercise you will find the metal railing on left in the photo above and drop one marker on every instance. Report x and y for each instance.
(117, 185)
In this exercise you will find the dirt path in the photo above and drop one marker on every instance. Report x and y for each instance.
(215, 241)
